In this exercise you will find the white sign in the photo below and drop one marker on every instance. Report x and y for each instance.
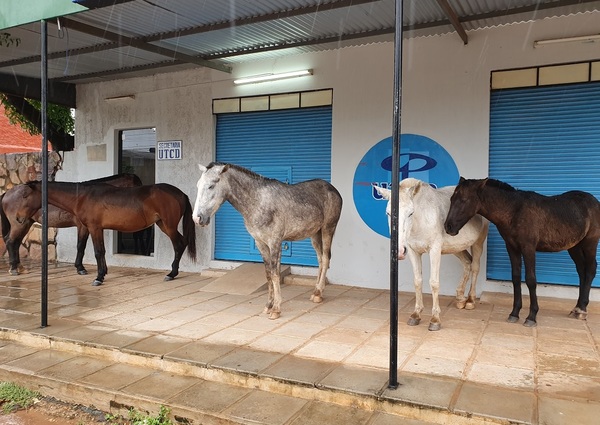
(168, 150)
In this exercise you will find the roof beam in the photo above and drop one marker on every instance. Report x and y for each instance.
(138, 43)
(59, 93)
(453, 17)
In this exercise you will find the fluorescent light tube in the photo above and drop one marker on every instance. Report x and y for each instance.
(272, 77)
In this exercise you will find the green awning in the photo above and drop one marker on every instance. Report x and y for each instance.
(18, 12)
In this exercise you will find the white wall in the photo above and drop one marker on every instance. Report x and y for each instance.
(445, 96)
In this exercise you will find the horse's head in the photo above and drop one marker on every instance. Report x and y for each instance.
(21, 202)
(406, 208)
(464, 204)
(211, 192)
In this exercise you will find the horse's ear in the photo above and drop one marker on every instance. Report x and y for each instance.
(225, 168)
(461, 179)
(385, 193)
(202, 168)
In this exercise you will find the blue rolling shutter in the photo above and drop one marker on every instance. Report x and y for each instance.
(292, 144)
(545, 139)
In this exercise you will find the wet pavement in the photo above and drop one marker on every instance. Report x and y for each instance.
(213, 357)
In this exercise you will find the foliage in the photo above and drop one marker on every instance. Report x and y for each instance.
(59, 116)
(137, 418)
(14, 397)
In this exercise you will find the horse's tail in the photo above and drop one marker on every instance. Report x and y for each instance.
(189, 229)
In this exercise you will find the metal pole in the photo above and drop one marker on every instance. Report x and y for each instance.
(393, 379)
(44, 97)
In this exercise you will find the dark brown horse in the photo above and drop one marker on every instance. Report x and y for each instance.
(18, 212)
(530, 222)
(129, 209)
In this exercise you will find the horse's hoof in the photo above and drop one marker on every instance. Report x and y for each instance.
(413, 322)
(13, 272)
(578, 314)
(434, 326)
(168, 278)
(512, 319)
(461, 304)
(470, 306)
(82, 272)
(316, 298)
(274, 315)
(530, 323)
(97, 282)
(266, 310)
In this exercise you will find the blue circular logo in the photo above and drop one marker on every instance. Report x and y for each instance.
(420, 158)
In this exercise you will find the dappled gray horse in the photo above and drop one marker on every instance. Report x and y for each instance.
(273, 212)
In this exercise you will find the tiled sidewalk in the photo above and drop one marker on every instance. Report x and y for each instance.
(172, 342)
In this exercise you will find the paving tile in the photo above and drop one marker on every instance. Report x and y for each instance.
(246, 360)
(158, 344)
(10, 352)
(424, 390)
(503, 356)
(298, 369)
(434, 366)
(375, 357)
(356, 379)
(565, 385)
(233, 336)
(75, 368)
(318, 413)
(496, 402)
(324, 350)
(582, 349)
(160, 385)
(116, 376)
(455, 350)
(200, 352)
(387, 419)
(39, 360)
(266, 408)
(568, 364)
(504, 376)
(277, 344)
(85, 332)
(121, 338)
(556, 411)
(212, 397)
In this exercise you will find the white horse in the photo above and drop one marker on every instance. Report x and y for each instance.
(273, 212)
(421, 217)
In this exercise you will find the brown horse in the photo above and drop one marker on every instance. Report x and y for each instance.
(18, 212)
(530, 222)
(128, 209)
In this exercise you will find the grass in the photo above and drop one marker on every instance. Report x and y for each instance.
(14, 397)
(137, 418)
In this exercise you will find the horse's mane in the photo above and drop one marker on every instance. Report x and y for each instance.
(242, 170)
(500, 185)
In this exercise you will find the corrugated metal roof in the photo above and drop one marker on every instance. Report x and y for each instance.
(132, 37)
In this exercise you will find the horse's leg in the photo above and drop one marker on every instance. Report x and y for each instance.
(476, 253)
(531, 281)
(415, 261)
(179, 246)
(100, 253)
(317, 243)
(82, 238)
(465, 260)
(265, 253)
(13, 239)
(515, 265)
(435, 258)
(584, 257)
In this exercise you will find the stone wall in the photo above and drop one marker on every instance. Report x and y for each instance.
(18, 168)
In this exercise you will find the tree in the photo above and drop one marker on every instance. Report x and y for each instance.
(26, 112)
